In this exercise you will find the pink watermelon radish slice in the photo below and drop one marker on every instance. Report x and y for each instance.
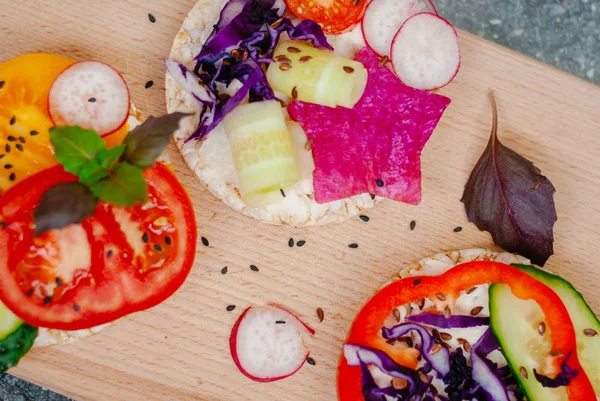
(376, 146)
(92, 95)
(267, 344)
(383, 19)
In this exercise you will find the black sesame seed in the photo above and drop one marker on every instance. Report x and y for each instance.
(364, 218)
(280, 322)
(33, 133)
(230, 308)
(254, 268)
(168, 240)
(19, 147)
(47, 300)
(417, 282)
(2, 84)
(353, 246)
(76, 307)
(13, 120)
(224, 270)
(379, 183)
(152, 18)
(205, 242)
(8, 166)
(413, 225)
(92, 100)
(145, 238)
(149, 84)
(311, 361)
(458, 229)
(158, 248)
(291, 243)
(109, 253)
(300, 243)
(11, 138)
(12, 176)
(59, 282)
(282, 192)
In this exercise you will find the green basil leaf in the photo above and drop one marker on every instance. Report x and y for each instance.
(75, 147)
(146, 142)
(125, 186)
(92, 172)
(16, 345)
(108, 157)
(63, 205)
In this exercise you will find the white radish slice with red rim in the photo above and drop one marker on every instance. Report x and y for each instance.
(92, 95)
(267, 343)
(383, 19)
(425, 52)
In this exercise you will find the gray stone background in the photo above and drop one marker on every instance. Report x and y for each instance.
(563, 33)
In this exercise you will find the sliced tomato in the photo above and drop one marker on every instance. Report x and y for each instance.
(366, 329)
(335, 16)
(116, 262)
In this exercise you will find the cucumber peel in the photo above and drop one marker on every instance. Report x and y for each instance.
(16, 345)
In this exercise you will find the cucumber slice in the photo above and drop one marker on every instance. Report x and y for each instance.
(316, 76)
(515, 323)
(16, 338)
(584, 321)
(262, 149)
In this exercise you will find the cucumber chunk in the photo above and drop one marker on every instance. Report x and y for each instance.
(527, 345)
(16, 339)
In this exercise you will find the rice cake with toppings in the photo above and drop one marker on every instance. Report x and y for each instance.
(211, 159)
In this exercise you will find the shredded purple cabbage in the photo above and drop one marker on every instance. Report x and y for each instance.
(240, 47)
(440, 360)
(562, 379)
(484, 372)
(453, 322)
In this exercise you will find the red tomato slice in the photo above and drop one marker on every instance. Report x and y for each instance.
(335, 16)
(116, 262)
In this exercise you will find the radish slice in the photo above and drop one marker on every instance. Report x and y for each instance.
(384, 18)
(425, 53)
(267, 343)
(92, 95)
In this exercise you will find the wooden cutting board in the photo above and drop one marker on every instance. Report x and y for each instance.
(179, 350)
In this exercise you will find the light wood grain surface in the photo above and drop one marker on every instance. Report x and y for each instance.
(179, 350)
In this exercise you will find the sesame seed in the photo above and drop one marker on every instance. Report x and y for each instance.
(397, 315)
(254, 268)
(348, 70)
(467, 346)
(590, 332)
(542, 328)
(92, 100)
(152, 18)
(145, 238)
(556, 353)
(224, 270)
(76, 307)
(447, 312)
(476, 311)
(33, 133)
(441, 297)
(277, 23)
(435, 349)
(353, 246)
(285, 67)
(295, 93)
(364, 218)
(423, 376)
(291, 243)
(300, 243)
(205, 242)
(446, 336)
(379, 183)
(311, 361)
(372, 196)
(283, 59)
(383, 61)
(230, 308)
(320, 314)
(293, 50)
(47, 300)
(413, 225)
(13, 120)
(523, 372)
(149, 84)
(472, 290)
(305, 59)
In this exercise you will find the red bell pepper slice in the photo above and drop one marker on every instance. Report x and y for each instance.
(367, 326)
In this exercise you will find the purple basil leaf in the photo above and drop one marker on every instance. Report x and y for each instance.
(63, 205)
(507, 196)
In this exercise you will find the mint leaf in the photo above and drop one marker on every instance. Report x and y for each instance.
(75, 147)
(108, 157)
(62, 205)
(125, 186)
(92, 172)
(146, 142)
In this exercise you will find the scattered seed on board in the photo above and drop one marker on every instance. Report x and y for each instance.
(151, 18)
(293, 50)
(320, 314)
(311, 361)
(458, 229)
(254, 268)
(230, 308)
(353, 246)
(397, 315)
(383, 61)
(364, 218)
(305, 59)
(300, 243)
(224, 270)
(413, 225)
(476, 311)
(205, 242)
(149, 84)
(379, 183)
(523, 372)
(291, 243)
(542, 328)
(92, 100)
(590, 332)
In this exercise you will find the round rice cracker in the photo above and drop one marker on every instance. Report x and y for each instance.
(51, 337)
(211, 159)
